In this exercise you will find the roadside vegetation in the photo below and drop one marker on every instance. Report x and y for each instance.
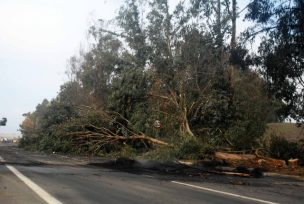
(178, 83)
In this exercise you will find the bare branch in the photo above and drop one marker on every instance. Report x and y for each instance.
(260, 31)
(113, 33)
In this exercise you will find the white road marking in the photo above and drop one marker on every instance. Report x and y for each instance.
(224, 193)
(1, 159)
(37, 189)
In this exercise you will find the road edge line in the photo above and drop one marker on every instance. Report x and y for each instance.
(48, 198)
(224, 193)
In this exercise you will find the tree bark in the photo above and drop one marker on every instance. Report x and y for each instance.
(233, 33)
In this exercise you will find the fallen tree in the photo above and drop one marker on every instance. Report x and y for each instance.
(107, 137)
(105, 132)
(250, 160)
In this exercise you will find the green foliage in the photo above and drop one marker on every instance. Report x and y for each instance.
(189, 148)
(99, 64)
(125, 151)
(40, 129)
(283, 149)
(236, 111)
(184, 148)
(161, 154)
(281, 52)
(175, 66)
(129, 20)
(129, 98)
(244, 134)
(192, 148)
(253, 110)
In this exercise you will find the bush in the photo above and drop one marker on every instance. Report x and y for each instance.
(189, 148)
(283, 149)
(245, 134)
(161, 153)
(29, 142)
(185, 148)
(235, 115)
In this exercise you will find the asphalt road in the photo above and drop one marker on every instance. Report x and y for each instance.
(29, 178)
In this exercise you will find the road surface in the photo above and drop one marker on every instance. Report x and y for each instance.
(30, 178)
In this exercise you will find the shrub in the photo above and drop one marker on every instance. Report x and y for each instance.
(245, 134)
(189, 148)
(283, 149)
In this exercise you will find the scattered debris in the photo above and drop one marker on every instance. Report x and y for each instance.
(238, 182)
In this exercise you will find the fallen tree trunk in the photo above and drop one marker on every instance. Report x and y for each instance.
(250, 160)
(215, 171)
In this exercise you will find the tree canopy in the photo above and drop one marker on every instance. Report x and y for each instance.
(184, 67)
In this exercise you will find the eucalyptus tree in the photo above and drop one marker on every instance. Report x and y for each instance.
(131, 21)
(101, 64)
(219, 18)
(281, 52)
(160, 35)
(216, 16)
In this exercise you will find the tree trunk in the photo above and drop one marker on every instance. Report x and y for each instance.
(219, 35)
(233, 33)
(219, 25)
(185, 124)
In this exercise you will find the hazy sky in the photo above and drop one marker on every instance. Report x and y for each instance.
(36, 39)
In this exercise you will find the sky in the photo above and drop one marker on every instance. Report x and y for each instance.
(37, 37)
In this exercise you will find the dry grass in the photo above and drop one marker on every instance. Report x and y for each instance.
(290, 131)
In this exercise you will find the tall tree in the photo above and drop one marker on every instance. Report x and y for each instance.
(160, 36)
(281, 50)
(130, 21)
(100, 65)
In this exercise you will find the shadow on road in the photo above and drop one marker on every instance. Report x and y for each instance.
(174, 170)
